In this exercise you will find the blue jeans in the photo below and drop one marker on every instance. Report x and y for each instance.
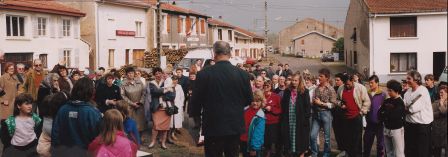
(321, 119)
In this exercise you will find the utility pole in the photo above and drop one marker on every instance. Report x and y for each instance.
(266, 29)
(158, 30)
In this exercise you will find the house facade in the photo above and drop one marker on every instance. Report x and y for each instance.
(117, 39)
(182, 28)
(221, 31)
(44, 30)
(312, 44)
(248, 44)
(390, 38)
(287, 35)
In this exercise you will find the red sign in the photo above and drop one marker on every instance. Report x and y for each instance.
(125, 33)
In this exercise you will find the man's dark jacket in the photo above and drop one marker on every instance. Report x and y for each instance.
(221, 92)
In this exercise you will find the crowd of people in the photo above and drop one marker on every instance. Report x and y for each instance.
(256, 111)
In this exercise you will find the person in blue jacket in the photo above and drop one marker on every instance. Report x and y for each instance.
(254, 118)
(77, 122)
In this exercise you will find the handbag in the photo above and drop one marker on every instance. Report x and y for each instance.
(172, 110)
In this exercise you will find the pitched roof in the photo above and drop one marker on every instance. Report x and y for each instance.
(50, 7)
(249, 33)
(133, 3)
(174, 8)
(314, 32)
(406, 6)
(220, 23)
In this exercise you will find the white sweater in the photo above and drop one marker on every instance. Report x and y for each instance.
(421, 111)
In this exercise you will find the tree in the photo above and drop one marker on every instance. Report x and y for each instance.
(338, 46)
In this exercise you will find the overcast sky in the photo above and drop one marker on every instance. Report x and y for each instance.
(249, 14)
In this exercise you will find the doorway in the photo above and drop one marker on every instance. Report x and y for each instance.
(438, 64)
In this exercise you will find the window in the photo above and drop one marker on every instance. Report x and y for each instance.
(355, 57)
(138, 29)
(165, 47)
(403, 62)
(303, 42)
(126, 57)
(193, 27)
(230, 35)
(67, 58)
(43, 58)
(15, 26)
(41, 26)
(180, 24)
(163, 25)
(219, 34)
(403, 27)
(111, 57)
(202, 26)
(354, 37)
(66, 24)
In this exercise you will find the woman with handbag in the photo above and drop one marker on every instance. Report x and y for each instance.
(161, 113)
(8, 91)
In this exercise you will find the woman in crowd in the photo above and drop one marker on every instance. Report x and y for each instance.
(138, 75)
(133, 93)
(272, 110)
(49, 108)
(129, 124)
(21, 130)
(259, 82)
(76, 75)
(8, 91)
(161, 120)
(107, 95)
(48, 86)
(177, 119)
(65, 84)
(294, 120)
(254, 119)
(112, 141)
(439, 138)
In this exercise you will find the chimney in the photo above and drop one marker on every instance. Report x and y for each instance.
(219, 17)
(174, 2)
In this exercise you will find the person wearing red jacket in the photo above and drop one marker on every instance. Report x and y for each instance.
(273, 111)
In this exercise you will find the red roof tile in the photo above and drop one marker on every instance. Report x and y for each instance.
(406, 6)
(252, 34)
(174, 8)
(50, 7)
(219, 23)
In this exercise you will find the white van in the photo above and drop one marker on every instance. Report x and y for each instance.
(201, 53)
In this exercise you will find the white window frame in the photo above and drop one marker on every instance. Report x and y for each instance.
(67, 27)
(182, 32)
(164, 23)
(138, 29)
(67, 56)
(18, 26)
(42, 26)
(193, 20)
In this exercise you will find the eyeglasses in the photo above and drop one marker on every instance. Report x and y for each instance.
(20, 68)
(37, 65)
(263, 73)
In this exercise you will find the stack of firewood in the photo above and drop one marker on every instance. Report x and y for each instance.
(172, 56)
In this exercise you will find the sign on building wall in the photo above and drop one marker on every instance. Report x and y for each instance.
(125, 33)
(193, 39)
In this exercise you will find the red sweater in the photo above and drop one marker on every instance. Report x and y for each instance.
(352, 109)
(248, 116)
(273, 116)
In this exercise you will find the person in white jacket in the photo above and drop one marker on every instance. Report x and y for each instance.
(177, 119)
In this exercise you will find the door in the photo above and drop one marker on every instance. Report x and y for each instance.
(438, 64)
(138, 57)
(24, 58)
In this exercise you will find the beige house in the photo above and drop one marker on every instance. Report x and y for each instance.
(312, 44)
(305, 26)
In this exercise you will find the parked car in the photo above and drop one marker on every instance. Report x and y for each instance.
(300, 54)
(204, 54)
(327, 58)
(251, 61)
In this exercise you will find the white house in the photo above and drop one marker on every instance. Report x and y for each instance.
(248, 44)
(389, 38)
(221, 31)
(43, 30)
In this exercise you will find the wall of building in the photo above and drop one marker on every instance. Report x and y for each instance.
(111, 19)
(302, 27)
(357, 17)
(52, 44)
(312, 45)
(225, 36)
(431, 37)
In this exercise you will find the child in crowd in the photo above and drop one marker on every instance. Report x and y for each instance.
(392, 114)
(129, 124)
(20, 131)
(112, 141)
(253, 139)
(177, 119)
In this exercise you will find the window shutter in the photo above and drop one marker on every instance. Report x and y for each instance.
(168, 23)
(76, 28)
(197, 25)
(51, 27)
(179, 24)
(35, 26)
(188, 25)
(203, 26)
(60, 26)
(76, 58)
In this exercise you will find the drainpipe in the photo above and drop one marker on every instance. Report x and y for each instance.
(373, 43)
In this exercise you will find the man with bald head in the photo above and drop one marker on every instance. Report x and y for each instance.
(220, 94)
